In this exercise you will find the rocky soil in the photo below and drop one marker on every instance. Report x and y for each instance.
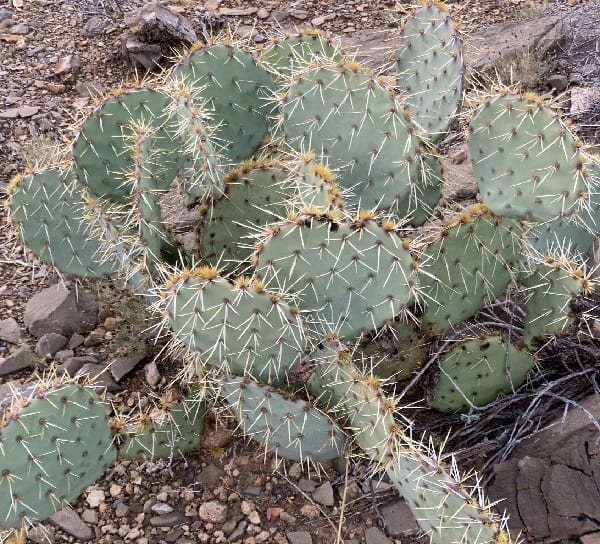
(56, 57)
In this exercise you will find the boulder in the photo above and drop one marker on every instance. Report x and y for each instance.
(58, 309)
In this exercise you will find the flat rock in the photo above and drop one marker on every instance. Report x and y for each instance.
(169, 520)
(324, 494)
(122, 366)
(210, 476)
(99, 377)
(61, 310)
(41, 534)
(299, 537)
(18, 360)
(399, 520)
(68, 520)
(10, 331)
(71, 365)
(50, 343)
(373, 535)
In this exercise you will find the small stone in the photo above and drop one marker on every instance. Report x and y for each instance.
(115, 490)
(18, 360)
(318, 21)
(95, 26)
(72, 365)
(5, 15)
(558, 82)
(89, 89)
(299, 537)
(212, 511)
(295, 471)
(399, 520)
(374, 536)
(324, 494)
(308, 510)
(94, 338)
(287, 517)
(28, 111)
(161, 508)
(95, 498)
(10, 331)
(253, 490)
(99, 377)
(121, 509)
(152, 374)
(65, 65)
(90, 516)
(68, 520)
(237, 12)
(122, 366)
(50, 343)
(308, 486)
(254, 518)
(169, 520)
(238, 532)
(246, 507)
(75, 341)
(262, 13)
(62, 355)
(41, 534)
(56, 88)
(20, 29)
(210, 475)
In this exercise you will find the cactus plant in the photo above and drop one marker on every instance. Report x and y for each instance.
(335, 167)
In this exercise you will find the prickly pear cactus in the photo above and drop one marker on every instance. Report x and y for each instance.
(54, 442)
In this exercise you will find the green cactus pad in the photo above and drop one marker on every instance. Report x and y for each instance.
(256, 193)
(165, 432)
(53, 444)
(201, 175)
(430, 69)
(526, 161)
(340, 112)
(292, 429)
(294, 52)
(475, 372)
(354, 276)
(469, 264)
(234, 88)
(240, 328)
(552, 284)
(48, 209)
(104, 155)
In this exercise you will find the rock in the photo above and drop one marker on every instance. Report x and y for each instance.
(5, 15)
(152, 374)
(68, 520)
(67, 66)
(299, 537)
(255, 490)
(254, 517)
(238, 12)
(41, 534)
(374, 536)
(550, 481)
(94, 26)
(122, 366)
(558, 82)
(161, 508)
(18, 360)
(154, 31)
(10, 331)
(584, 99)
(89, 516)
(399, 520)
(75, 341)
(72, 365)
(238, 532)
(50, 343)
(95, 498)
(592, 538)
(56, 88)
(98, 376)
(262, 13)
(91, 89)
(210, 476)
(212, 511)
(62, 355)
(60, 310)
(169, 520)
(308, 486)
(287, 517)
(324, 494)
(120, 508)
(27, 111)
(20, 29)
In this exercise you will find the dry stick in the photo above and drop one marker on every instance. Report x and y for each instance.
(338, 539)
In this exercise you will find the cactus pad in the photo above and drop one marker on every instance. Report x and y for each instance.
(240, 328)
(291, 429)
(526, 161)
(53, 444)
(48, 209)
(430, 69)
(475, 372)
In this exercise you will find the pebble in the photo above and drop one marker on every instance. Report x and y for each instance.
(287, 517)
(324, 494)
(50, 343)
(161, 508)
(10, 331)
(169, 520)
(121, 509)
(20, 29)
(254, 518)
(68, 520)
(238, 532)
(299, 537)
(90, 516)
(152, 374)
(308, 486)
(374, 536)
(263, 13)
(213, 511)
(95, 498)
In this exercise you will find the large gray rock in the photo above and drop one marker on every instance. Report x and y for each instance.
(68, 520)
(61, 310)
(18, 360)
(551, 482)
(399, 520)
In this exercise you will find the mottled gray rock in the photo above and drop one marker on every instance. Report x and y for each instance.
(18, 360)
(68, 520)
(122, 366)
(5, 14)
(75, 341)
(324, 494)
(10, 331)
(169, 520)
(238, 532)
(95, 26)
(90, 516)
(50, 343)
(64, 354)
(210, 476)
(41, 534)
(308, 486)
(399, 520)
(61, 310)
(299, 537)
(213, 512)
(373, 535)
(99, 376)
(72, 365)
